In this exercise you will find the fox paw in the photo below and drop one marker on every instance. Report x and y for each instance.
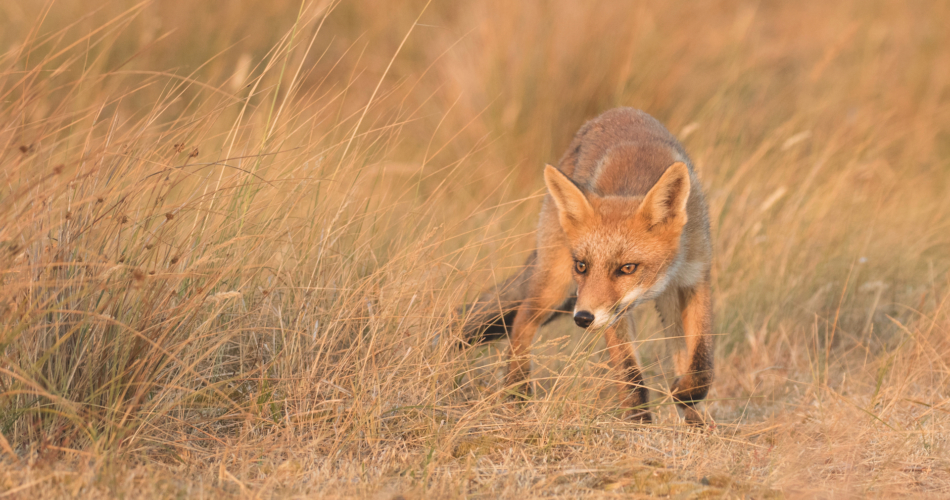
(689, 400)
(638, 416)
(691, 415)
(518, 393)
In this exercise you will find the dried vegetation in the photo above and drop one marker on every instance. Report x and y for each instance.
(232, 236)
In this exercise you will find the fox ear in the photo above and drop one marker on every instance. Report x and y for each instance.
(573, 208)
(666, 201)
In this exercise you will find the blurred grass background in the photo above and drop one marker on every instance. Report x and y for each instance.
(232, 236)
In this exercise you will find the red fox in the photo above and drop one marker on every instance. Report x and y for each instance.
(624, 221)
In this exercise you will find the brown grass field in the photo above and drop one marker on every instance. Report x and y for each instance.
(233, 236)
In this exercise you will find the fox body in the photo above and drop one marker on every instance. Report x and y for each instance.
(624, 221)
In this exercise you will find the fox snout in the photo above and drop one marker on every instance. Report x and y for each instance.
(583, 318)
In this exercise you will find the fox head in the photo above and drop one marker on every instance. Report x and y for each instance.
(622, 246)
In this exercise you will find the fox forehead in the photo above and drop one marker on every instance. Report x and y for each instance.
(621, 242)
(612, 232)
(613, 209)
(610, 245)
(603, 245)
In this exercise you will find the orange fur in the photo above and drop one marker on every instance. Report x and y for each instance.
(624, 221)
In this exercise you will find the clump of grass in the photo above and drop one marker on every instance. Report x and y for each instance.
(232, 242)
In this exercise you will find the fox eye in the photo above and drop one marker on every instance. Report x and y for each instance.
(628, 268)
(580, 267)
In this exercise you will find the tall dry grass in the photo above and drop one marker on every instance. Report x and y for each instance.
(232, 237)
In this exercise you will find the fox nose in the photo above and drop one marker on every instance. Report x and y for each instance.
(583, 318)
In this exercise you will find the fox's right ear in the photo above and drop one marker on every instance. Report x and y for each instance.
(573, 208)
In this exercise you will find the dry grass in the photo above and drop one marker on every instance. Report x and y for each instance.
(231, 238)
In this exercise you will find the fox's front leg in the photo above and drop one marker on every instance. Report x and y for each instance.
(693, 384)
(549, 287)
(633, 394)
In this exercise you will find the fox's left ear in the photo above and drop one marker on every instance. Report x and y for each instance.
(573, 208)
(665, 204)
